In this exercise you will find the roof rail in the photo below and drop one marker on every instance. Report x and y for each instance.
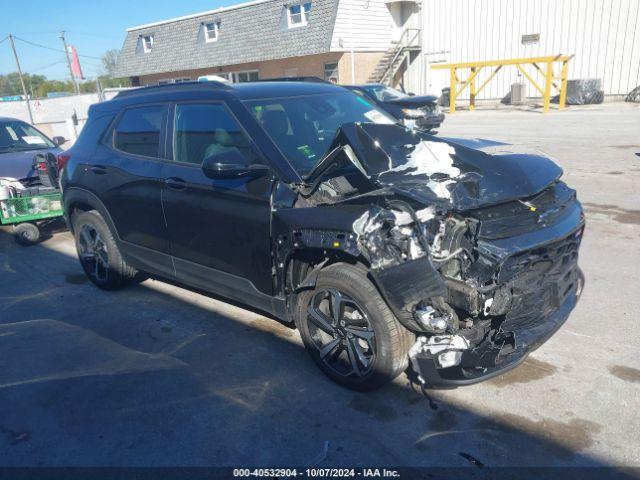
(154, 88)
(295, 79)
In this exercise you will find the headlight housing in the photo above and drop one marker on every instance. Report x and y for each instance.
(412, 112)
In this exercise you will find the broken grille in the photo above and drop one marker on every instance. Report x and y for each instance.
(540, 281)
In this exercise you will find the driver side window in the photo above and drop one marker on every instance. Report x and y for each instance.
(205, 130)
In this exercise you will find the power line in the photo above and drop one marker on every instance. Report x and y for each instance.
(94, 64)
(94, 35)
(45, 67)
(51, 48)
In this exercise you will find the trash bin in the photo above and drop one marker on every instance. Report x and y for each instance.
(518, 93)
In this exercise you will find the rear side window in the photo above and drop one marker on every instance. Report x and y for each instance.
(205, 130)
(138, 131)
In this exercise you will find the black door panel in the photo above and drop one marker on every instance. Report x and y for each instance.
(130, 189)
(174, 183)
(222, 224)
(130, 185)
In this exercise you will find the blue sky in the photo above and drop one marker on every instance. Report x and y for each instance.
(92, 26)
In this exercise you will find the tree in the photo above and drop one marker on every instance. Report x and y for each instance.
(10, 84)
(109, 62)
(107, 79)
(37, 85)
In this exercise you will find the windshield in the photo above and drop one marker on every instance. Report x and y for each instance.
(17, 136)
(304, 127)
(385, 94)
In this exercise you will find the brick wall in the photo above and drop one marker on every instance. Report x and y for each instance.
(364, 62)
(310, 65)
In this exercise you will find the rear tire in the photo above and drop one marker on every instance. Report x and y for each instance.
(364, 346)
(98, 252)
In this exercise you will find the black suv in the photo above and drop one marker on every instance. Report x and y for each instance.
(390, 249)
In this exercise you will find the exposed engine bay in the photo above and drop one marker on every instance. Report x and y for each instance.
(475, 253)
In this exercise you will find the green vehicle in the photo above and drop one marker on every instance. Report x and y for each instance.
(26, 213)
(28, 208)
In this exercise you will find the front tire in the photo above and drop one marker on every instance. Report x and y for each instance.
(98, 252)
(349, 330)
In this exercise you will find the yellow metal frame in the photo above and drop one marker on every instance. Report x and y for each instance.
(474, 69)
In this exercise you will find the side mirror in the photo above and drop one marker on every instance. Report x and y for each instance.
(231, 164)
(59, 141)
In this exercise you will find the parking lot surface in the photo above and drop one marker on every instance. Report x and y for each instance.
(158, 375)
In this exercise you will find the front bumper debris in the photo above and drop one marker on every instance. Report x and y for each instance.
(496, 354)
(430, 121)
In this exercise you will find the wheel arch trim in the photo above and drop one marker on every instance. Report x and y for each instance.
(74, 195)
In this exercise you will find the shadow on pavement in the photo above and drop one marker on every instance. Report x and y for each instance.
(155, 375)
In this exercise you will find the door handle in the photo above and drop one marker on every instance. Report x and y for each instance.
(99, 170)
(175, 183)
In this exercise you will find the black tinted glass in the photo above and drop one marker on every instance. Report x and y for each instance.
(138, 131)
(203, 131)
(303, 128)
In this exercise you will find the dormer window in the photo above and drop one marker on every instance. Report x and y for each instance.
(298, 15)
(147, 43)
(211, 32)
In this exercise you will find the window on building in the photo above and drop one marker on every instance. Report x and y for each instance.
(211, 32)
(331, 72)
(168, 81)
(138, 131)
(250, 76)
(202, 131)
(240, 77)
(147, 43)
(298, 14)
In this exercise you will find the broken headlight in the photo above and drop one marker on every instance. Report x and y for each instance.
(431, 320)
(412, 113)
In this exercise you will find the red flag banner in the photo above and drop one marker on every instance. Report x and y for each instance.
(75, 63)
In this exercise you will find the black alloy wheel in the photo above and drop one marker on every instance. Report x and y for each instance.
(93, 253)
(341, 333)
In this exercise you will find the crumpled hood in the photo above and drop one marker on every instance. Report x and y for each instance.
(414, 102)
(457, 174)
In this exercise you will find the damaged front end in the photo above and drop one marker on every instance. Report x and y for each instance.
(480, 297)
(475, 253)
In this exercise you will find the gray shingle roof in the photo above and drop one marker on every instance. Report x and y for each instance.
(249, 33)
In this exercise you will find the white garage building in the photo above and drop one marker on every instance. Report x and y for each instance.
(603, 36)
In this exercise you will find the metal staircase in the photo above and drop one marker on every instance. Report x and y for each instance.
(396, 56)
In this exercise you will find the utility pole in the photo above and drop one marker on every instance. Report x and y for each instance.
(66, 53)
(24, 89)
(100, 92)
